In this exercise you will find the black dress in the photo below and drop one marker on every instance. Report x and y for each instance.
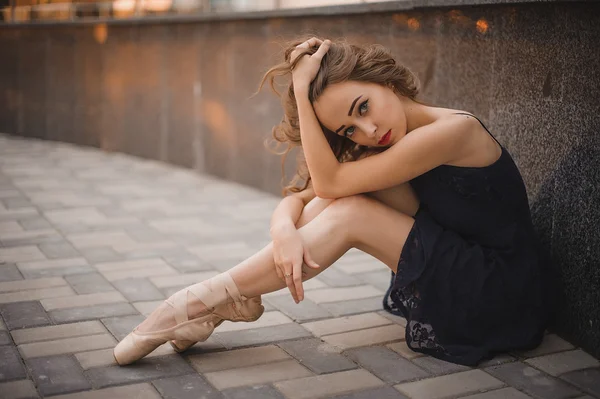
(471, 280)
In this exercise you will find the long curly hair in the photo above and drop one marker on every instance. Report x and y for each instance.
(342, 62)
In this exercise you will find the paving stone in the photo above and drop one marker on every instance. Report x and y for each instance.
(497, 360)
(146, 307)
(187, 263)
(24, 315)
(57, 272)
(9, 272)
(268, 319)
(78, 301)
(551, 343)
(304, 311)
(318, 356)
(149, 368)
(403, 349)
(101, 254)
(59, 250)
(35, 224)
(18, 390)
(259, 374)
(379, 279)
(5, 338)
(186, 387)
(504, 393)
(105, 357)
(57, 374)
(12, 286)
(121, 326)
(344, 324)
(371, 336)
(392, 317)
(253, 392)
(35, 294)
(48, 266)
(15, 203)
(219, 361)
(586, 380)
(437, 366)
(89, 283)
(21, 254)
(531, 381)
(378, 393)
(182, 279)
(327, 385)
(91, 312)
(386, 364)
(11, 366)
(67, 345)
(356, 306)
(56, 332)
(450, 385)
(98, 239)
(136, 391)
(337, 278)
(138, 289)
(563, 362)
(31, 238)
(259, 336)
(327, 295)
(149, 267)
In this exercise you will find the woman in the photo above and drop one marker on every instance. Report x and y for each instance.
(428, 191)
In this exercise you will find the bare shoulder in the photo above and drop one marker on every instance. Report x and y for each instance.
(479, 149)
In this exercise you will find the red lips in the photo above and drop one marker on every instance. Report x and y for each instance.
(386, 138)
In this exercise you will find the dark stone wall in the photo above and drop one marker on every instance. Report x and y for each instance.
(180, 92)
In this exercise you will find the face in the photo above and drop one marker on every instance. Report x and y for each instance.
(366, 113)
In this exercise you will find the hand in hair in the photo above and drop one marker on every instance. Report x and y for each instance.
(306, 67)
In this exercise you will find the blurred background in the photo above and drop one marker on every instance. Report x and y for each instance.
(57, 10)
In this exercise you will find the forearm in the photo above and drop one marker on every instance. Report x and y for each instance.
(286, 214)
(320, 159)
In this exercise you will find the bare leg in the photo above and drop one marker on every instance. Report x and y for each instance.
(357, 221)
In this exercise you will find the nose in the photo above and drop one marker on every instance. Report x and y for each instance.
(369, 128)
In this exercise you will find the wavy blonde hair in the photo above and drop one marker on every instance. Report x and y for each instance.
(343, 62)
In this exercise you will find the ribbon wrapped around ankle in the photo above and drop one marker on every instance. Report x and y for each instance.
(215, 291)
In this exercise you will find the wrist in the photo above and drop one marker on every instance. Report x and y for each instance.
(301, 89)
(281, 226)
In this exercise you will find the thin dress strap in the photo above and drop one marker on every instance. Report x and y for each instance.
(486, 129)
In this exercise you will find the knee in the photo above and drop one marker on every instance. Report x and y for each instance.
(351, 206)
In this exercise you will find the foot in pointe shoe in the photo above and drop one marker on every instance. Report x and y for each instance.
(242, 309)
(187, 316)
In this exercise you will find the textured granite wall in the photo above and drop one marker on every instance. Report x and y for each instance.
(179, 92)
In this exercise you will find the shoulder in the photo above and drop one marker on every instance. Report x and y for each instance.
(460, 133)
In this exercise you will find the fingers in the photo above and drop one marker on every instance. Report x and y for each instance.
(323, 48)
(309, 261)
(289, 281)
(279, 272)
(312, 42)
(297, 278)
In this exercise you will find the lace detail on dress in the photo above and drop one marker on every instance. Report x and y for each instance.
(402, 298)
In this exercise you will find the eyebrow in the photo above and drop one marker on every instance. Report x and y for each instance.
(349, 112)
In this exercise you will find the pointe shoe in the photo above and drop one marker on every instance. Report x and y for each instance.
(219, 290)
(241, 310)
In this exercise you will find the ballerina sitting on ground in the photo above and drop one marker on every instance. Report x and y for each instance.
(426, 190)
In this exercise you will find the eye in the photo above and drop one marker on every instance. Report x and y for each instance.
(349, 132)
(364, 106)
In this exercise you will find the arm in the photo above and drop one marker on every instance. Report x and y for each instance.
(289, 210)
(425, 148)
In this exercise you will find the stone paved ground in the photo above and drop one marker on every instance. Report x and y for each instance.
(90, 242)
